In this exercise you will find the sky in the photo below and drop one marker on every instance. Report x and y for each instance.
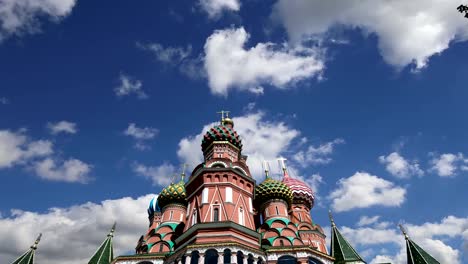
(102, 101)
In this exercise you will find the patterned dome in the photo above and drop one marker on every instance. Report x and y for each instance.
(153, 206)
(221, 133)
(272, 189)
(174, 193)
(301, 192)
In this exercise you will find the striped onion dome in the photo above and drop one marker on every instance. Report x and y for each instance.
(221, 133)
(302, 193)
(153, 206)
(272, 189)
(174, 193)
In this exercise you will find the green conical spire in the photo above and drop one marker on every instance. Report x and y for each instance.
(105, 253)
(341, 250)
(415, 254)
(28, 256)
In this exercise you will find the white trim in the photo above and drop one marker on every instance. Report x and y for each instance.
(228, 195)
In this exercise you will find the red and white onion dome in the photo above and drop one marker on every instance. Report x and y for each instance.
(302, 193)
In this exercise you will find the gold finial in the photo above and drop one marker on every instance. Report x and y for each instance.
(225, 120)
(182, 175)
(331, 218)
(403, 230)
(282, 165)
(111, 233)
(266, 168)
(38, 239)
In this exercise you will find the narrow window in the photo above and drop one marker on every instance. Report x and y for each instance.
(300, 217)
(250, 205)
(194, 217)
(228, 194)
(216, 214)
(240, 257)
(281, 243)
(241, 216)
(170, 215)
(161, 247)
(205, 196)
(277, 210)
(227, 256)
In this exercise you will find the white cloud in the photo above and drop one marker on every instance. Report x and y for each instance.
(317, 155)
(71, 235)
(214, 8)
(408, 31)
(141, 134)
(367, 220)
(4, 100)
(160, 175)
(169, 55)
(18, 17)
(17, 148)
(399, 167)
(129, 86)
(448, 164)
(62, 126)
(364, 190)
(229, 65)
(71, 170)
(432, 237)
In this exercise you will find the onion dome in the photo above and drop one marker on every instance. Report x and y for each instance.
(223, 132)
(272, 189)
(153, 206)
(174, 193)
(302, 193)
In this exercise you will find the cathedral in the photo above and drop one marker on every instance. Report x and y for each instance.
(220, 215)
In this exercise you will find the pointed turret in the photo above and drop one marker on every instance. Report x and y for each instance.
(105, 253)
(415, 254)
(341, 249)
(28, 256)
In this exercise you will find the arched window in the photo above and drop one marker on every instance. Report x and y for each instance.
(260, 261)
(240, 257)
(250, 259)
(211, 256)
(195, 257)
(227, 256)
(145, 262)
(281, 243)
(161, 247)
(314, 261)
(216, 214)
(287, 260)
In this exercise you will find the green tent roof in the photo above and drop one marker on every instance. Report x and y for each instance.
(415, 254)
(28, 256)
(105, 253)
(341, 249)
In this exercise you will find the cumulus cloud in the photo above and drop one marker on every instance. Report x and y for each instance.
(71, 235)
(367, 220)
(18, 17)
(315, 155)
(214, 8)
(38, 155)
(433, 237)
(409, 32)
(17, 148)
(448, 164)
(62, 127)
(399, 167)
(230, 65)
(71, 170)
(161, 175)
(141, 134)
(364, 190)
(129, 86)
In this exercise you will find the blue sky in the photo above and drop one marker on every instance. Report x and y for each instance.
(100, 103)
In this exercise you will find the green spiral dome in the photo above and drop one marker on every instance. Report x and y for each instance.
(272, 189)
(174, 193)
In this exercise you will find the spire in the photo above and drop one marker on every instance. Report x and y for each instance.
(266, 168)
(182, 175)
(414, 253)
(105, 252)
(341, 249)
(28, 256)
(282, 164)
